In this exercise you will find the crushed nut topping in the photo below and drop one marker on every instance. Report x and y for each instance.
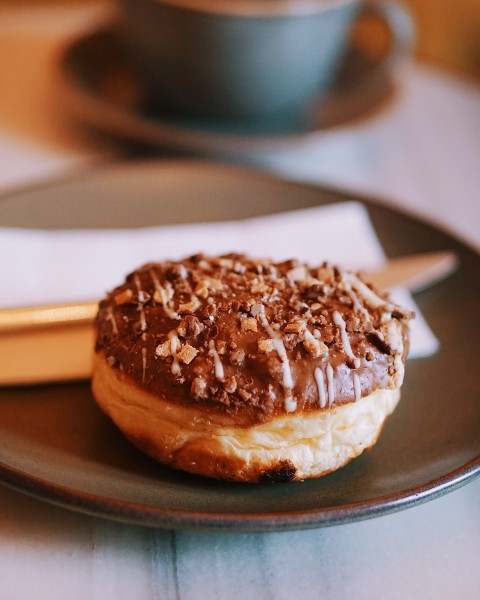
(190, 327)
(199, 388)
(295, 327)
(187, 354)
(265, 345)
(244, 394)
(124, 297)
(237, 357)
(188, 307)
(299, 273)
(313, 346)
(231, 384)
(249, 324)
(163, 350)
(201, 289)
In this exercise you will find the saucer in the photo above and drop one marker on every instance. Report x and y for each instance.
(99, 87)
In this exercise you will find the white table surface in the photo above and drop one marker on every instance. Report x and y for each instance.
(422, 154)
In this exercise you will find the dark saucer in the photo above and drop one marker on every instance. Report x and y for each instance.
(99, 87)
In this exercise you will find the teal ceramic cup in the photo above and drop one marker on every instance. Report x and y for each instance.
(244, 59)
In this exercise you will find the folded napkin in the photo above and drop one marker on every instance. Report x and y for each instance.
(44, 266)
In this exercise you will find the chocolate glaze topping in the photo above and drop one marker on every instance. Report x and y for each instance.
(252, 338)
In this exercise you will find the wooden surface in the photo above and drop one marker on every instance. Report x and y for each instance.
(448, 33)
(448, 30)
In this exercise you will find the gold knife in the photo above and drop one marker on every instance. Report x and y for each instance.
(43, 344)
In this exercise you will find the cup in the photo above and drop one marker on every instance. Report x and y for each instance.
(245, 59)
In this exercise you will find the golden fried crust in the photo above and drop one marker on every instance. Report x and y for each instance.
(287, 448)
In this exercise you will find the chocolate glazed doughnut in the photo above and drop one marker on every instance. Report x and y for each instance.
(249, 370)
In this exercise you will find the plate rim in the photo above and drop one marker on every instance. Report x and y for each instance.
(162, 517)
(126, 511)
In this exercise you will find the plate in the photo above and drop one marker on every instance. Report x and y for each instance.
(57, 445)
(98, 86)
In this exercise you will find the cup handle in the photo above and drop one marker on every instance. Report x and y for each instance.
(401, 25)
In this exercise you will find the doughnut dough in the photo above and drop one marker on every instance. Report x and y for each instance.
(249, 370)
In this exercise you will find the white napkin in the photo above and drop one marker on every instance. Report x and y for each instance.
(42, 267)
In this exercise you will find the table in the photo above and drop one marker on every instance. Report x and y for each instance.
(422, 154)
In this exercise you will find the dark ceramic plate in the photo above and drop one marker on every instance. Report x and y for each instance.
(56, 444)
(99, 87)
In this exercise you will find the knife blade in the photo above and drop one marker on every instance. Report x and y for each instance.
(54, 343)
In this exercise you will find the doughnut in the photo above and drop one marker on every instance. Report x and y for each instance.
(249, 370)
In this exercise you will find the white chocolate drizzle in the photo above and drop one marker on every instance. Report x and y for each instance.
(369, 296)
(165, 296)
(174, 346)
(183, 271)
(219, 372)
(290, 403)
(144, 363)
(330, 385)
(275, 336)
(287, 380)
(113, 321)
(320, 381)
(138, 285)
(313, 344)
(357, 304)
(396, 342)
(141, 299)
(339, 321)
(143, 322)
(357, 388)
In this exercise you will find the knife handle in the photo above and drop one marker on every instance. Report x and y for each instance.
(15, 319)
